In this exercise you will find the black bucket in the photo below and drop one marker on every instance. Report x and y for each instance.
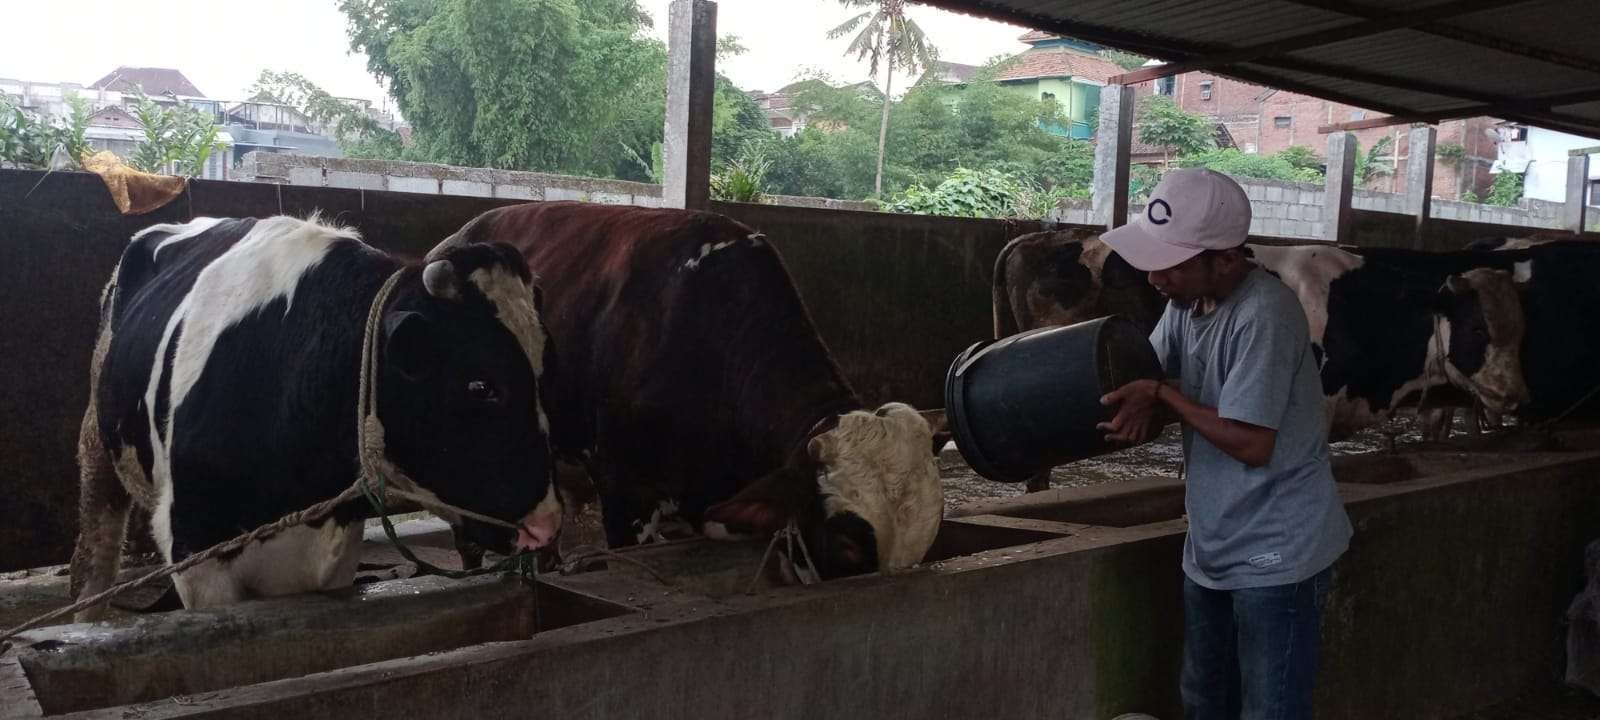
(1024, 404)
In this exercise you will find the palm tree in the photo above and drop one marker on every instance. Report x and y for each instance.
(887, 36)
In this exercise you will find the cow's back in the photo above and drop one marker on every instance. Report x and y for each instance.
(682, 345)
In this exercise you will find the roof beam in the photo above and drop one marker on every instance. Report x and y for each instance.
(1462, 35)
(1367, 124)
(1378, 22)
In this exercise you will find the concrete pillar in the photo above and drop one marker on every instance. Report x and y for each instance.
(1572, 214)
(1337, 219)
(1113, 141)
(1419, 179)
(691, 83)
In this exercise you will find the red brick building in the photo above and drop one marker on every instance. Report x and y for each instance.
(1264, 120)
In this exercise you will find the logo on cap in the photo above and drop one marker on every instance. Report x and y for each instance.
(1150, 211)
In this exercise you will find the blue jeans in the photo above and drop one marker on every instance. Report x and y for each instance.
(1251, 654)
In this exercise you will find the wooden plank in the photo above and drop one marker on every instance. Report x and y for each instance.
(1367, 124)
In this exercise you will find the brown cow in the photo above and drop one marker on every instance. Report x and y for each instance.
(694, 384)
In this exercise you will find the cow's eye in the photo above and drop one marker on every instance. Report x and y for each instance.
(482, 391)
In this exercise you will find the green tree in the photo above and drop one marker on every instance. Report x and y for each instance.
(1178, 133)
(28, 140)
(1302, 158)
(1506, 190)
(551, 85)
(888, 37)
(1369, 166)
(359, 135)
(177, 139)
(1230, 161)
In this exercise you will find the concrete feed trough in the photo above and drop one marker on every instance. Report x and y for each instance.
(1063, 603)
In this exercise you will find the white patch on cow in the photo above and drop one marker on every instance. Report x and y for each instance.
(717, 531)
(1499, 384)
(513, 306)
(296, 560)
(1522, 271)
(266, 264)
(879, 467)
(707, 249)
(179, 232)
(1309, 271)
(755, 239)
(651, 529)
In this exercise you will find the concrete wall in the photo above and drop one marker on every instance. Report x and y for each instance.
(1295, 210)
(1449, 600)
(895, 297)
(433, 179)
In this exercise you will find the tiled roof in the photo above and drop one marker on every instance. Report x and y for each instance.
(113, 116)
(1035, 36)
(1060, 62)
(952, 72)
(154, 81)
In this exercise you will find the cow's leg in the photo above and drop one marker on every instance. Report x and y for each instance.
(103, 505)
(1436, 423)
(1039, 482)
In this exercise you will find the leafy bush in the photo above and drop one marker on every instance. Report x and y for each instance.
(30, 141)
(744, 178)
(177, 139)
(1506, 190)
(1230, 161)
(966, 193)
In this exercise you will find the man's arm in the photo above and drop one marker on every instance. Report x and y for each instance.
(1142, 400)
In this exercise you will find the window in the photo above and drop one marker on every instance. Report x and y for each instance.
(1047, 96)
(1282, 121)
(1205, 89)
(1166, 86)
(1358, 114)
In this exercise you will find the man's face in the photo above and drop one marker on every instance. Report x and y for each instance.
(1187, 281)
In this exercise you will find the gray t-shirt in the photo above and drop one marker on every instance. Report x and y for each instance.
(1250, 358)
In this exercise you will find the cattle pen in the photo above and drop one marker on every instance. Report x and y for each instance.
(1065, 603)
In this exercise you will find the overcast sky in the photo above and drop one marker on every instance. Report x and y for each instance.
(221, 45)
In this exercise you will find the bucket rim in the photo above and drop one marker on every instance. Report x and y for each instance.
(956, 416)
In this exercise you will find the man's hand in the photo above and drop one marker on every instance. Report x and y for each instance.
(1136, 403)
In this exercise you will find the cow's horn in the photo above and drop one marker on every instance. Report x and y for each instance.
(440, 280)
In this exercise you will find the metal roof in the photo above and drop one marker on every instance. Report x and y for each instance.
(1533, 61)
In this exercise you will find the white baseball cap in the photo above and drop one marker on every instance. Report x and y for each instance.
(1190, 211)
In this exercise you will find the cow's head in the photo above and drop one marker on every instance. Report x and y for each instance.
(1068, 277)
(866, 494)
(462, 356)
(1478, 327)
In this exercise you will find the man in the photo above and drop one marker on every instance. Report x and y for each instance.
(1265, 520)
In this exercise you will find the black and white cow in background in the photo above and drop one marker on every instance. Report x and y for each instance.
(224, 389)
(1372, 323)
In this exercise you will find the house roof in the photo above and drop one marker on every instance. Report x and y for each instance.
(113, 116)
(1059, 62)
(154, 81)
(951, 72)
(1033, 36)
(1534, 61)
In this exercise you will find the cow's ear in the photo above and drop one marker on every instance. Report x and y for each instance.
(766, 505)
(408, 345)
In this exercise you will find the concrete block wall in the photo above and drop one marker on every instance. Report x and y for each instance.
(1295, 210)
(432, 179)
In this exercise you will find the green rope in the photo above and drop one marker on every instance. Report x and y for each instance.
(525, 565)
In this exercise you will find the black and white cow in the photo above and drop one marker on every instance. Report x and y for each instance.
(224, 389)
(1373, 322)
(1389, 334)
(1561, 311)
